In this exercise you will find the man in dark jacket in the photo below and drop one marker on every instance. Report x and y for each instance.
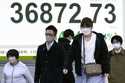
(49, 61)
(65, 44)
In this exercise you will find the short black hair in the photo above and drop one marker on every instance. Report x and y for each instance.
(117, 38)
(13, 53)
(68, 33)
(53, 28)
(86, 22)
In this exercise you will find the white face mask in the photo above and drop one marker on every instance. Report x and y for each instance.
(116, 45)
(86, 31)
(12, 60)
(49, 38)
(71, 41)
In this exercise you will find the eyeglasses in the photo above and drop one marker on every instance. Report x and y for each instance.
(49, 34)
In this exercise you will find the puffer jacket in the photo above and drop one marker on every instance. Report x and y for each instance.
(18, 73)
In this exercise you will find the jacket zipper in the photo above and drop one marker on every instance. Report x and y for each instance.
(12, 75)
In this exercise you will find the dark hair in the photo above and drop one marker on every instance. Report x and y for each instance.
(53, 28)
(117, 38)
(13, 53)
(68, 33)
(86, 22)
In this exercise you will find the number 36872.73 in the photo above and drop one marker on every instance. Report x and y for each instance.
(62, 6)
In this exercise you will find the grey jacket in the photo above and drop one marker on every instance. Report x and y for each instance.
(16, 74)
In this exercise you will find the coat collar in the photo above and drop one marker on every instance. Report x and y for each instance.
(122, 52)
(53, 45)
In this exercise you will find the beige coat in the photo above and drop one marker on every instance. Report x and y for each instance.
(117, 67)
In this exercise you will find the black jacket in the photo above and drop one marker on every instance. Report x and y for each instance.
(101, 53)
(68, 57)
(48, 67)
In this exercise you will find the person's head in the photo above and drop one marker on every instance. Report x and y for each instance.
(50, 33)
(116, 41)
(12, 56)
(68, 34)
(86, 26)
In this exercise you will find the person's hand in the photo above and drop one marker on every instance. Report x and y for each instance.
(65, 71)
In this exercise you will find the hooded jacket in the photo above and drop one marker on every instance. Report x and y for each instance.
(100, 55)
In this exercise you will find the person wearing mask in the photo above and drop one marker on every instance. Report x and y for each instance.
(117, 60)
(15, 71)
(65, 44)
(90, 51)
(49, 60)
